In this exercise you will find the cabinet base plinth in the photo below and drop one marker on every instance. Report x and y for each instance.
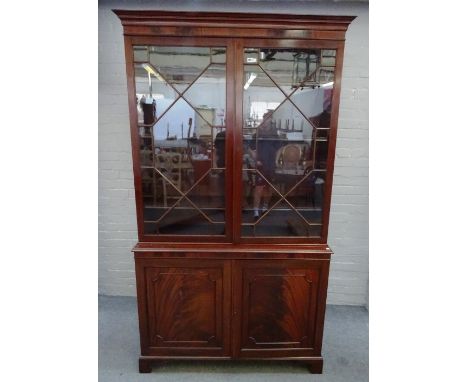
(316, 366)
(145, 364)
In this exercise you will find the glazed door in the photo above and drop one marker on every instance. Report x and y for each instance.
(181, 132)
(286, 129)
(184, 307)
(233, 139)
(278, 307)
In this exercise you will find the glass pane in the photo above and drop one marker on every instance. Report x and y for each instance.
(251, 56)
(153, 94)
(209, 119)
(180, 66)
(218, 55)
(260, 95)
(140, 53)
(287, 106)
(181, 94)
(290, 69)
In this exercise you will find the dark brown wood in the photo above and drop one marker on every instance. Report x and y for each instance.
(186, 306)
(231, 209)
(144, 365)
(315, 366)
(227, 296)
(205, 248)
(211, 24)
(238, 75)
(278, 307)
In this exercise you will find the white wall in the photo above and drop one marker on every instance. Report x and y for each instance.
(348, 232)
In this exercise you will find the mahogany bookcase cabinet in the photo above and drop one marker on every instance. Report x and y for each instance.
(233, 122)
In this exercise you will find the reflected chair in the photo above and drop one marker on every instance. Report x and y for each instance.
(170, 165)
(289, 156)
(288, 163)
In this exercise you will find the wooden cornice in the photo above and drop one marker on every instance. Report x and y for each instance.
(236, 25)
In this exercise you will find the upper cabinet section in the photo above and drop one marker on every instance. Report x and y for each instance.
(233, 122)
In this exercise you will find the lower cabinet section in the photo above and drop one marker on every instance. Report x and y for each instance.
(230, 308)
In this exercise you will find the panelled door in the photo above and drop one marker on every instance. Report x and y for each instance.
(184, 307)
(278, 307)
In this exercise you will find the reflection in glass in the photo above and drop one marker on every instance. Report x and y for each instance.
(180, 66)
(140, 53)
(181, 98)
(287, 106)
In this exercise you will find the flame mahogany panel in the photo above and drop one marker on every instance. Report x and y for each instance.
(184, 306)
(279, 307)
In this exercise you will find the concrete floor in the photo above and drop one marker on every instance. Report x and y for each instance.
(345, 351)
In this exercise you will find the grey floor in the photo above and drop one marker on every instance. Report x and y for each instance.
(345, 351)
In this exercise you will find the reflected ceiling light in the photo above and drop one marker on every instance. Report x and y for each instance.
(151, 70)
(250, 80)
(327, 85)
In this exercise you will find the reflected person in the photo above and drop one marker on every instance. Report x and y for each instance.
(262, 149)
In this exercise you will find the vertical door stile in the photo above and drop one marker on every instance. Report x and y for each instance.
(230, 139)
(237, 152)
(333, 135)
(130, 73)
